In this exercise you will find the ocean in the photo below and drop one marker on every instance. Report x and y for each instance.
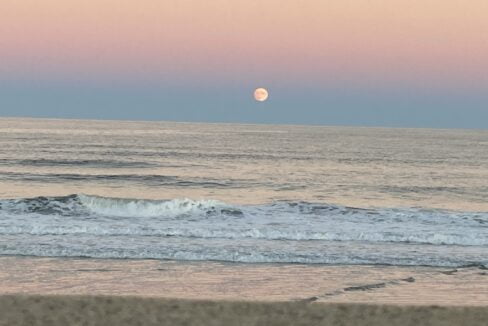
(243, 193)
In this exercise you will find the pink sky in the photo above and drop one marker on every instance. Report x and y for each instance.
(376, 41)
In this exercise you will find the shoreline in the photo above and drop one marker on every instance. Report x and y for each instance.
(225, 262)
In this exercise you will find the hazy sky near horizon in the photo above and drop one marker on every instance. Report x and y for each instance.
(412, 63)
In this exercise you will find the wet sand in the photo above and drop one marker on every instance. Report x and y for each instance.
(78, 291)
(391, 285)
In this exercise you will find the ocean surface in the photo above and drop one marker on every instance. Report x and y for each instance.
(243, 193)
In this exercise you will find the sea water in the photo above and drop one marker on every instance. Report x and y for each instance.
(243, 193)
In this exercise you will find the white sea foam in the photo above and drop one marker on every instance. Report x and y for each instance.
(296, 231)
(260, 253)
(474, 239)
(148, 208)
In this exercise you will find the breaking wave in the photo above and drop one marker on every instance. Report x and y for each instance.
(84, 204)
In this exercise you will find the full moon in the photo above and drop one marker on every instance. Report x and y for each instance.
(260, 94)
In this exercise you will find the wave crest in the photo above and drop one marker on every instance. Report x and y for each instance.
(153, 208)
(75, 205)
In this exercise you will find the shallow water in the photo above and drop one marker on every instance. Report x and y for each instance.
(391, 285)
(262, 193)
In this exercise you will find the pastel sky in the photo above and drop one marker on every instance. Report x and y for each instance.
(414, 63)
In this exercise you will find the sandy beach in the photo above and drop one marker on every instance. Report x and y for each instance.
(117, 310)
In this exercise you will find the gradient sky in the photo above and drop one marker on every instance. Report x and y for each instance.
(413, 63)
